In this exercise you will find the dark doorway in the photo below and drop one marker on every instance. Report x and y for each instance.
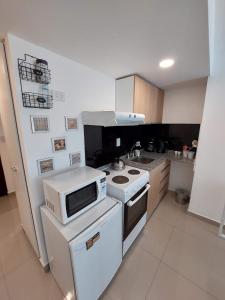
(3, 187)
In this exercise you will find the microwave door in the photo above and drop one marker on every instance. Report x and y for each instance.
(78, 200)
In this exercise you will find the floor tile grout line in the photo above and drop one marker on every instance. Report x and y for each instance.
(6, 286)
(8, 211)
(153, 254)
(185, 231)
(186, 213)
(196, 237)
(149, 252)
(175, 228)
(167, 245)
(188, 279)
(160, 262)
(153, 279)
(18, 267)
(192, 234)
(204, 222)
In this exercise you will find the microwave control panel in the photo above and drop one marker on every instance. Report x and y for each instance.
(103, 187)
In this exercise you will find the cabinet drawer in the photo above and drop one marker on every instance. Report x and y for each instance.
(164, 165)
(164, 181)
(163, 191)
(165, 172)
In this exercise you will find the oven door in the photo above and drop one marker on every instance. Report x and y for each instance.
(134, 210)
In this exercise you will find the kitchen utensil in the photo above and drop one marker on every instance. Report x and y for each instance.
(195, 143)
(185, 153)
(151, 146)
(191, 154)
(162, 146)
(118, 164)
(137, 149)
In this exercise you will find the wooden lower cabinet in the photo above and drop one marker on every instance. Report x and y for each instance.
(159, 182)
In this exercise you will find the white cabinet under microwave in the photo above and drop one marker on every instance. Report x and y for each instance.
(85, 254)
(71, 193)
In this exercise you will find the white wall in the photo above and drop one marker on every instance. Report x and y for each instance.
(208, 193)
(181, 175)
(84, 89)
(6, 161)
(184, 102)
(14, 153)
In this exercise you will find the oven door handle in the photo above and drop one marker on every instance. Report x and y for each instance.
(131, 203)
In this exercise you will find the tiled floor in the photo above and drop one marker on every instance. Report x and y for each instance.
(21, 275)
(177, 257)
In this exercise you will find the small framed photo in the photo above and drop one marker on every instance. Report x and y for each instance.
(71, 123)
(45, 165)
(39, 124)
(75, 159)
(59, 144)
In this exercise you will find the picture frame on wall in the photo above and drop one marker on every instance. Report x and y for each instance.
(74, 159)
(45, 165)
(59, 144)
(39, 124)
(71, 123)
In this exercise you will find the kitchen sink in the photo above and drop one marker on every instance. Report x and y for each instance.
(142, 160)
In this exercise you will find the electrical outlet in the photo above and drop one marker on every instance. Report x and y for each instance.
(118, 142)
(58, 96)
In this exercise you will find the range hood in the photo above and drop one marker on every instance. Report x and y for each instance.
(111, 118)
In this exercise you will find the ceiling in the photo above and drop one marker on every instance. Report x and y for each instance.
(117, 37)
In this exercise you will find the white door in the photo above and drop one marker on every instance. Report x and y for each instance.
(12, 142)
(97, 254)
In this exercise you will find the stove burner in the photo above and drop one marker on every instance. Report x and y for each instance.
(120, 179)
(133, 172)
(106, 172)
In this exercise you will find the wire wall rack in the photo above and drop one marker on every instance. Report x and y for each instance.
(35, 70)
(37, 100)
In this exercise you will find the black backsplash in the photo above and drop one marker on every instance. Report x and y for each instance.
(100, 142)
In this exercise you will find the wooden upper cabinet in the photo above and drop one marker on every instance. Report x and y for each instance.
(142, 98)
(134, 94)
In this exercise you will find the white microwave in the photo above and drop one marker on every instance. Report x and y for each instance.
(71, 193)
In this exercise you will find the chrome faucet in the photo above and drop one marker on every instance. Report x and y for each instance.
(131, 153)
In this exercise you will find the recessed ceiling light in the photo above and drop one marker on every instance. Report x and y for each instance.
(166, 63)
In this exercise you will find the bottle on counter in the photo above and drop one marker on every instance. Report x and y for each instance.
(185, 151)
(137, 149)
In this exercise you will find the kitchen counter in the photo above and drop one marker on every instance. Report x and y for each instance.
(158, 159)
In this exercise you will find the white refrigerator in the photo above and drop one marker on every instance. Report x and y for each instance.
(85, 254)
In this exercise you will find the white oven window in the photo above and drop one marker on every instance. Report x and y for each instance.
(133, 214)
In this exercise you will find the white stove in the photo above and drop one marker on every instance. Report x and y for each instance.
(130, 186)
(124, 184)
